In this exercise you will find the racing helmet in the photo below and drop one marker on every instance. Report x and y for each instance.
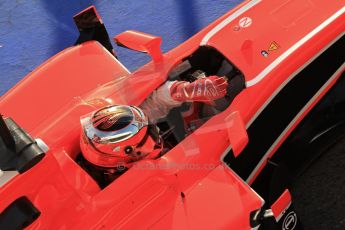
(117, 136)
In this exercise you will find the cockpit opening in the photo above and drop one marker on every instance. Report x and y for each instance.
(205, 61)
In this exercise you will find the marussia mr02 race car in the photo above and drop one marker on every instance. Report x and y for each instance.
(231, 164)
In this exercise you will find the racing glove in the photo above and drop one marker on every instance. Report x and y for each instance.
(205, 89)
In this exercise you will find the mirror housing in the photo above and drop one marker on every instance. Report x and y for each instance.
(237, 132)
(141, 42)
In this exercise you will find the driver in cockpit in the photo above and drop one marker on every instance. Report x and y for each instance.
(114, 137)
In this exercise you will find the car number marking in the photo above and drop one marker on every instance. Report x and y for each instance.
(245, 22)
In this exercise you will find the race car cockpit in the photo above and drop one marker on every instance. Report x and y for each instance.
(205, 61)
(173, 128)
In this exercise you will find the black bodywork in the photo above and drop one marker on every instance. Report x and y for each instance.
(18, 150)
(91, 28)
(319, 130)
(19, 214)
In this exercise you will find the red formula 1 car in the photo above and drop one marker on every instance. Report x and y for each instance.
(229, 165)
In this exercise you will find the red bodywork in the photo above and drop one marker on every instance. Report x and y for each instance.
(153, 194)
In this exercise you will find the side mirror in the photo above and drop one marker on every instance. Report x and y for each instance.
(237, 132)
(141, 42)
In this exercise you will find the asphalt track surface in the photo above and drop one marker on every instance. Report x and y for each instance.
(31, 31)
(319, 193)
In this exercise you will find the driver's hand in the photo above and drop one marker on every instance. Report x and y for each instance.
(203, 90)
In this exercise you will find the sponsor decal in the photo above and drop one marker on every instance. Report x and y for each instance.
(273, 46)
(245, 22)
(290, 221)
(264, 53)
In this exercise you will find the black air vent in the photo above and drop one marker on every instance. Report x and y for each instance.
(19, 215)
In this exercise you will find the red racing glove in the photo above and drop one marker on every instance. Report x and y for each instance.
(205, 89)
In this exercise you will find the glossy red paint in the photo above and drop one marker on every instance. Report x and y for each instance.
(168, 193)
(141, 42)
(280, 205)
(237, 133)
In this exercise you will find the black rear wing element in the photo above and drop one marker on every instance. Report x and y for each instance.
(91, 27)
(18, 150)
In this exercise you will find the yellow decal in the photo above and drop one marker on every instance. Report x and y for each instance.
(273, 46)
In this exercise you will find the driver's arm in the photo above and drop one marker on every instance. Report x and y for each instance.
(173, 93)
